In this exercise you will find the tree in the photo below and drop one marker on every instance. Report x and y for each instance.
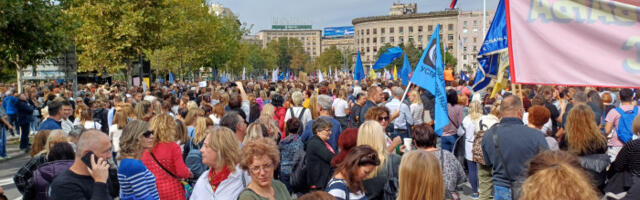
(32, 31)
(115, 33)
(300, 61)
(331, 57)
(285, 48)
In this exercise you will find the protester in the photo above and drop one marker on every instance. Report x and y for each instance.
(470, 125)
(279, 112)
(324, 106)
(319, 155)
(420, 177)
(417, 112)
(317, 195)
(24, 114)
(288, 147)
(456, 115)
(5, 126)
(425, 139)
(538, 117)
(9, 104)
(356, 107)
(340, 108)
(297, 110)
(236, 123)
(613, 119)
(627, 159)
(225, 179)
(557, 175)
(348, 140)
(374, 96)
(346, 182)
(371, 133)
(260, 158)
(516, 144)
(164, 160)
(136, 181)
(381, 115)
(404, 121)
(82, 181)
(39, 142)
(23, 178)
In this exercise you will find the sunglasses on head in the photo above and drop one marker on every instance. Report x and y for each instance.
(147, 133)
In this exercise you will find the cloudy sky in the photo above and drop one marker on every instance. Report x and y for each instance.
(326, 13)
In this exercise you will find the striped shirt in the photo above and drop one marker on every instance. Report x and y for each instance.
(338, 188)
(136, 181)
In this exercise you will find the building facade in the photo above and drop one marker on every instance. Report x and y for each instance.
(471, 37)
(371, 33)
(311, 39)
(344, 44)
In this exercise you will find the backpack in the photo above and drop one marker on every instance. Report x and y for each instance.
(390, 189)
(298, 179)
(288, 149)
(476, 150)
(194, 160)
(625, 134)
(299, 118)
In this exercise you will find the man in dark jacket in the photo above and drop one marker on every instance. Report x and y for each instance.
(516, 145)
(374, 96)
(25, 112)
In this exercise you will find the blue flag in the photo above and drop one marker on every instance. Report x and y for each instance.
(287, 75)
(358, 72)
(463, 76)
(171, 78)
(406, 69)
(494, 43)
(387, 57)
(429, 74)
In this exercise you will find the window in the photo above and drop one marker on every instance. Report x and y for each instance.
(475, 48)
(475, 22)
(464, 40)
(400, 29)
(475, 30)
(419, 38)
(375, 49)
(410, 29)
(419, 29)
(450, 37)
(392, 39)
(465, 23)
(465, 49)
(375, 40)
(362, 32)
(450, 27)
(367, 49)
(367, 40)
(450, 47)
(381, 39)
(367, 31)
(464, 31)
(375, 31)
(391, 30)
(430, 28)
(401, 39)
(464, 57)
(362, 40)
(302, 38)
(475, 39)
(411, 38)
(381, 30)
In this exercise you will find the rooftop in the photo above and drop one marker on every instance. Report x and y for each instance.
(447, 13)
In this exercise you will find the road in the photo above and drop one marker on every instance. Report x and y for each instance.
(9, 168)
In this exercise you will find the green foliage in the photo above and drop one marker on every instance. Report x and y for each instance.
(285, 49)
(331, 57)
(413, 53)
(30, 32)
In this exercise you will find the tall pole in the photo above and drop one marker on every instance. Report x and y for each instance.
(484, 17)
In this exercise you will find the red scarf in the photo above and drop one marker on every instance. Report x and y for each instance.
(216, 178)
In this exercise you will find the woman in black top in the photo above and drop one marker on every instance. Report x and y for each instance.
(319, 155)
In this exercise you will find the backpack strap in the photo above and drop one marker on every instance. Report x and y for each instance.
(291, 112)
(497, 148)
(301, 113)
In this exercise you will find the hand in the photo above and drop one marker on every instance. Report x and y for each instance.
(10, 127)
(99, 170)
(403, 148)
(395, 114)
(239, 84)
(396, 141)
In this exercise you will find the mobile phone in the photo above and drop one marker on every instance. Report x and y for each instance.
(86, 159)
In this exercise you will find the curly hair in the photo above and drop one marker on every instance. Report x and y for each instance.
(163, 128)
(538, 115)
(374, 112)
(557, 175)
(259, 147)
(583, 135)
(131, 136)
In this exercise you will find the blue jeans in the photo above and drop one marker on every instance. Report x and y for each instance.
(447, 142)
(35, 123)
(3, 141)
(501, 192)
(403, 134)
(473, 175)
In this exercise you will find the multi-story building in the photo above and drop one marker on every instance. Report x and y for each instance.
(471, 37)
(371, 33)
(311, 39)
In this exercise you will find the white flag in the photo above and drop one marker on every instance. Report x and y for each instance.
(243, 74)
(274, 75)
(320, 78)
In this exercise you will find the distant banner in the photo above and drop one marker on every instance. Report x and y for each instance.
(575, 42)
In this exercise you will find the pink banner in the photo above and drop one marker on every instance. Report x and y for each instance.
(574, 42)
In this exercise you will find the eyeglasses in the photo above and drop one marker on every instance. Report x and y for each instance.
(266, 168)
(385, 118)
(147, 133)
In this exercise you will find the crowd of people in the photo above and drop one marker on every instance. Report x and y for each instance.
(336, 139)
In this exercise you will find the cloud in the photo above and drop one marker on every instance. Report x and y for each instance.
(264, 13)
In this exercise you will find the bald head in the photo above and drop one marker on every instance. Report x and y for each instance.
(511, 106)
(96, 142)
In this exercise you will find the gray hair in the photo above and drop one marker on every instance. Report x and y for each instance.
(320, 124)
(325, 102)
(397, 92)
(580, 97)
(296, 98)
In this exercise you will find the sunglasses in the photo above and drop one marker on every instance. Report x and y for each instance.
(383, 118)
(147, 134)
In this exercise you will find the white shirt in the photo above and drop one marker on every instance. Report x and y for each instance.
(468, 130)
(306, 117)
(114, 134)
(230, 188)
(67, 125)
(417, 112)
(339, 107)
(405, 114)
(545, 128)
(216, 120)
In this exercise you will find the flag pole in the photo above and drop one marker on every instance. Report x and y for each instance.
(405, 92)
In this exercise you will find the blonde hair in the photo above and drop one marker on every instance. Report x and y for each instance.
(416, 97)
(372, 134)
(192, 105)
(127, 109)
(200, 127)
(163, 128)
(559, 181)
(254, 132)
(268, 111)
(313, 106)
(141, 109)
(224, 142)
(420, 176)
(192, 115)
(120, 119)
(131, 137)
(583, 135)
(55, 136)
(475, 110)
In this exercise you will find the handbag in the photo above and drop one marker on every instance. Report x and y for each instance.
(185, 184)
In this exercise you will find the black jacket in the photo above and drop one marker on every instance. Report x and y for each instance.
(318, 168)
(25, 112)
(595, 165)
